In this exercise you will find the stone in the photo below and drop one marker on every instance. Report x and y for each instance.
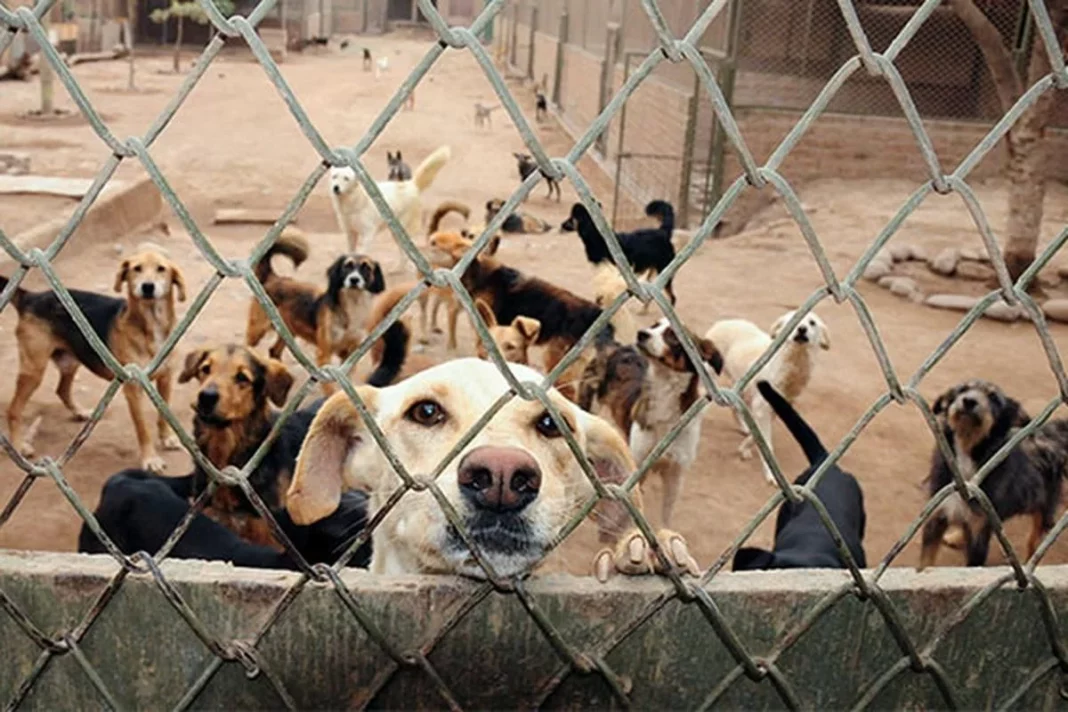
(974, 254)
(886, 281)
(876, 270)
(1049, 280)
(975, 271)
(919, 254)
(945, 262)
(14, 163)
(954, 302)
(900, 253)
(903, 287)
(885, 255)
(1057, 310)
(1000, 311)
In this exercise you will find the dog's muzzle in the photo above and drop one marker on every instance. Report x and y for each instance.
(354, 281)
(337, 190)
(148, 290)
(206, 403)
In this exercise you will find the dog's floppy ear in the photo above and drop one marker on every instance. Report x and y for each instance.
(486, 313)
(941, 404)
(279, 381)
(610, 456)
(376, 283)
(319, 476)
(491, 246)
(120, 276)
(780, 323)
(825, 337)
(398, 155)
(528, 327)
(193, 359)
(710, 354)
(178, 280)
(751, 558)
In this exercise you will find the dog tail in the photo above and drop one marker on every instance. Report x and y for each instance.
(20, 293)
(428, 170)
(443, 209)
(804, 435)
(663, 210)
(390, 352)
(290, 243)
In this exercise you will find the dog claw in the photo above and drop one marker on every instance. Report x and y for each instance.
(79, 415)
(677, 552)
(170, 442)
(602, 565)
(154, 464)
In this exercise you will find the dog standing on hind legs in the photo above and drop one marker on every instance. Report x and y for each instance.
(133, 329)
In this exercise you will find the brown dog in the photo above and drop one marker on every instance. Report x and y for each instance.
(445, 250)
(133, 329)
(513, 340)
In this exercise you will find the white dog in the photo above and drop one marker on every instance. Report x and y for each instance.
(381, 65)
(742, 342)
(357, 214)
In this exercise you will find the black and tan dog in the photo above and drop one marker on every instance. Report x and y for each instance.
(519, 223)
(526, 165)
(133, 329)
(977, 419)
(332, 319)
(801, 539)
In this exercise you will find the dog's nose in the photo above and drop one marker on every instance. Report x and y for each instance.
(502, 479)
(643, 336)
(148, 290)
(802, 331)
(968, 403)
(207, 399)
(337, 190)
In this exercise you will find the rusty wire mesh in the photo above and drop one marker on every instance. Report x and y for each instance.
(917, 656)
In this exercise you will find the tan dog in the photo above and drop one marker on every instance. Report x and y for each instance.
(446, 249)
(133, 329)
(608, 284)
(514, 485)
(742, 342)
(513, 341)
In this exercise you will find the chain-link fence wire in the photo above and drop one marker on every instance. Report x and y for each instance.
(917, 656)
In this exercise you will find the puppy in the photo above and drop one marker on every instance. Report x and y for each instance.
(398, 169)
(514, 485)
(788, 371)
(526, 165)
(977, 419)
(358, 216)
(332, 319)
(670, 387)
(366, 59)
(648, 250)
(139, 511)
(513, 341)
(482, 115)
(521, 223)
(133, 328)
(801, 539)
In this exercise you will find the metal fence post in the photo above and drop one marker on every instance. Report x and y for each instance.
(608, 65)
(515, 36)
(561, 47)
(686, 169)
(533, 30)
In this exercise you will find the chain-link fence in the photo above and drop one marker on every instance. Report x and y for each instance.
(915, 651)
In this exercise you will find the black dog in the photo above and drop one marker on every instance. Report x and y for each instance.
(527, 166)
(801, 539)
(139, 511)
(977, 419)
(541, 107)
(367, 65)
(647, 249)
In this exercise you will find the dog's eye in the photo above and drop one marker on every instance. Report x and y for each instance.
(205, 370)
(427, 413)
(546, 427)
(161, 269)
(242, 378)
(137, 268)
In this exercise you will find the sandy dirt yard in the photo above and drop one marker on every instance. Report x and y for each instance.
(234, 144)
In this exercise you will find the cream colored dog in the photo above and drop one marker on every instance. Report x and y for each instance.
(514, 485)
(359, 218)
(742, 342)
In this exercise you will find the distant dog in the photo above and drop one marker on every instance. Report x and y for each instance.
(671, 385)
(521, 223)
(541, 107)
(977, 419)
(801, 539)
(139, 511)
(789, 370)
(526, 165)
(359, 218)
(332, 318)
(483, 115)
(608, 284)
(513, 340)
(134, 329)
(648, 250)
(381, 65)
(398, 169)
(367, 63)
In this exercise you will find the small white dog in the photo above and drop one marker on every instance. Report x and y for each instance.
(742, 342)
(357, 214)
(381, 65)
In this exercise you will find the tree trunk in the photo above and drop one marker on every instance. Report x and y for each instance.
(178, 46)
(1026, 169)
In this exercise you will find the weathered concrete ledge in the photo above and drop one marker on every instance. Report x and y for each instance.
(496, 657)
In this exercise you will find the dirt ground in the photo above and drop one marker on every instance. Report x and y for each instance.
(233, 143)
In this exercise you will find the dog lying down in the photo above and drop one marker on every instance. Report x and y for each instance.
(801, 539)
(514, 485)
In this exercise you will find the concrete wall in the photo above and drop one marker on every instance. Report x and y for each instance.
(495, 656)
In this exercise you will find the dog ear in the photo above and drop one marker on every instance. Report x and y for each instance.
(825, 337)
(492, 245)
(178, 280)
(376, 283)
(120, 276)
(193, 359)
(279, 381)
(486, 313)
(941, 404)
(398, 155)
(610, 456)
(528, 327)
(710, 354)
(319, 476)
(780, 323)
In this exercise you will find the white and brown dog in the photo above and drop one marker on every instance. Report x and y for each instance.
(359, 218)
(514, 485)
(669, 387)
(742, 342)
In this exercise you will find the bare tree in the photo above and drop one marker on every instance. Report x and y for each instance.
(1026, 166)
